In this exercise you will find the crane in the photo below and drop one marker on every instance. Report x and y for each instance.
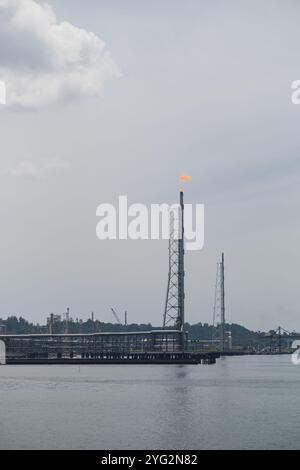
(118, 318)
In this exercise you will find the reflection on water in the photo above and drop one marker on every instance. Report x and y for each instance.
(241, 402)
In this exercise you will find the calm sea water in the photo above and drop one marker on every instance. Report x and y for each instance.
(249, 402)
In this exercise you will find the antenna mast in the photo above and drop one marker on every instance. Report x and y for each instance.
(219, 304)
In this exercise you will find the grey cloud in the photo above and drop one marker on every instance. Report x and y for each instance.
(44, 61)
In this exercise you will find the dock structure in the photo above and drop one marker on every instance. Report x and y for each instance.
(147, 347)
(168, 345)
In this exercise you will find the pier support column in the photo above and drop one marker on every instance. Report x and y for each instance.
(2, 353)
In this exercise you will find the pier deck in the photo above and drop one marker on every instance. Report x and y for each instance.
(147, 347)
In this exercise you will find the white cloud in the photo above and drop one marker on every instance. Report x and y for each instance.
(43, 61)
(29, 169)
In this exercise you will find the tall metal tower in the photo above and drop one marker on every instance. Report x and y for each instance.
(174, 306)
(219, 304)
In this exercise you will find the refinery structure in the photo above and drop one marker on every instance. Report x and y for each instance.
(168, 344)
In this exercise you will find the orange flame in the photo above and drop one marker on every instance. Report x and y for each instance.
(184, 179)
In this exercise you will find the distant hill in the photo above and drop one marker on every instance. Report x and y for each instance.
(241, 336)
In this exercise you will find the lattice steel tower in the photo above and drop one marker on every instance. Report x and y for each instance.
(174, 307)
(219, 304)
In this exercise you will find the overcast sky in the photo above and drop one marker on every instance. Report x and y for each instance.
(109, 97)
